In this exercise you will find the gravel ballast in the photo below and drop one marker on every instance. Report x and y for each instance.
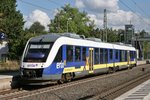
(92, 88)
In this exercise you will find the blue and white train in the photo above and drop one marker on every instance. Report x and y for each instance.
(62, 57)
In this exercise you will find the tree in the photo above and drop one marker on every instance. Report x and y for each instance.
(71, 20)
(11, 23)
(143, 33)
(36, 28)
(112, 35)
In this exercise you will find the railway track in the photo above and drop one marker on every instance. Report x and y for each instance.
(117, 91)
(16, 94)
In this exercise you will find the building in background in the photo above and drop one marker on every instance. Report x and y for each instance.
(3, 51)
(3, 47)
(129, 34)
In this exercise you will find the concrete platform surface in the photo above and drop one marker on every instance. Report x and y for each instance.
(141, 92)
(7, 80)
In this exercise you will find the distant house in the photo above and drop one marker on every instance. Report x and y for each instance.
(3, 51)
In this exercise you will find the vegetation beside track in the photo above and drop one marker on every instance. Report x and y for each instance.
(9, 66)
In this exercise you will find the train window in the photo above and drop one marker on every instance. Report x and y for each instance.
(111, 54)
(134, 54)
(120, 56)
(84, 54)
(58, 57)
(126, 55)
(131, 54)
(96, 56)
(70, 53)
(101, 56)
(77, 54)
(37, 52)
(116, 54)
(106, 55)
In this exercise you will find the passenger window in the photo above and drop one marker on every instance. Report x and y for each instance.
(106, 55)
(69, 53)
(96, 56)
(120, 55)
(132, 54)
(116, 54)
(84, 54)
(111, 54)
(125, 55)
(77, 54)
(101, 56)
(58, 57)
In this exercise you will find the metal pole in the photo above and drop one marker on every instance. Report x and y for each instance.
(67, 26)
(105, 24)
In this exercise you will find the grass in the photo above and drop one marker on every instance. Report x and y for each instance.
(9, 66)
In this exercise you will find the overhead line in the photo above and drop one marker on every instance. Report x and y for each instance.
(54, 2)
(140, 8)
(35, 5)
(134, 12)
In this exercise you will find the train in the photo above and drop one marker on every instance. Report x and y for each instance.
(62, 57)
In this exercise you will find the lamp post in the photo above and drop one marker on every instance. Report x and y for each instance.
(68, 23)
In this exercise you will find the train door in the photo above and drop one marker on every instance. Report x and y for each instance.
(91, 60)
(128, 58)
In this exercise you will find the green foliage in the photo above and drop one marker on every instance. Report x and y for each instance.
(143, 33)
(112, 35)
(146, 49)
(77, 22)
(36, 28)
(11, 23)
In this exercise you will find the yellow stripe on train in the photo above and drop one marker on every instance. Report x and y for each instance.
(99, 66)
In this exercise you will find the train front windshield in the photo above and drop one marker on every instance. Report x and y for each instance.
(37, 52)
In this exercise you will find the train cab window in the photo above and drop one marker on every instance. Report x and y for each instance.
(58, 57)
(96, 56)
(116, 54)
(111, 54)
(77, 54)
(101, 56)
(69, 53)
(83, 54)
(37, 51)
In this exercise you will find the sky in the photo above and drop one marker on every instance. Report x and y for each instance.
(119, 12)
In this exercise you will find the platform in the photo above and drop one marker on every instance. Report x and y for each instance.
(141, 92)
(6, 80)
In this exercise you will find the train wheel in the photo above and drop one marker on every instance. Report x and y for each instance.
(110, 70)
(68, 77)
(117, 68)
(130, 67)
(62, 80)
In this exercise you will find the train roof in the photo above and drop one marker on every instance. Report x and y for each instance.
(71, 39)
(45, 38)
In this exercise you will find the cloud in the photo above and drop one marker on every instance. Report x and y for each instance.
(98, 5)
(116, 17)
(37, 15)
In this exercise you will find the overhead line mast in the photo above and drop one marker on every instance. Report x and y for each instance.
(105, 26)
